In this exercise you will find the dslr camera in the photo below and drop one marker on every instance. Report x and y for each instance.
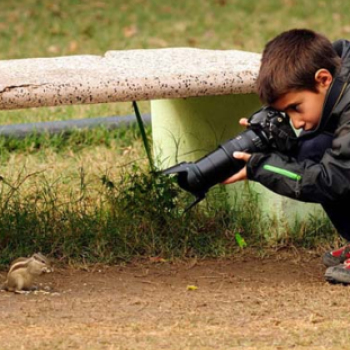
(268, 129)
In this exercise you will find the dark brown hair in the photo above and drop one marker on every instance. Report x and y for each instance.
(290, 61)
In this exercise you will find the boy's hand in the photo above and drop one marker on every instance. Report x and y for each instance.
(242, 174)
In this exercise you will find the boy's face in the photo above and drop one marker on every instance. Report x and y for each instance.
(303, 107)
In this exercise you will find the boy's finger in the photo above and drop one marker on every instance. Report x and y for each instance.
(242, 155)
(244, 122)
(241, 175)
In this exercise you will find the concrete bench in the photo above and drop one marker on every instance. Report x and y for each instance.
(126, 76)
(197, 97)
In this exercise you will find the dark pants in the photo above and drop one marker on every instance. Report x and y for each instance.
(338, 212)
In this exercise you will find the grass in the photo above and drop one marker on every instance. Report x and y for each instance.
(97, 207)
(89, 195)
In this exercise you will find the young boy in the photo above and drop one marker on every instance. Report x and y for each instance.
(305, 76)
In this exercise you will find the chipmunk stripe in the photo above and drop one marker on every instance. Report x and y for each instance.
(39, 257)
(18, 265)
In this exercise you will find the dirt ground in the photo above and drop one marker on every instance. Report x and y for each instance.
(279, 301)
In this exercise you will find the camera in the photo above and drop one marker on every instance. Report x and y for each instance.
(268, 129)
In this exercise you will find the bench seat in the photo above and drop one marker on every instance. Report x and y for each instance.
(129, 75)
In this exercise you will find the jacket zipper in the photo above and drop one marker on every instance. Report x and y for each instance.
(286, 173)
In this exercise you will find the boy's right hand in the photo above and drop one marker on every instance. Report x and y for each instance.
(242, 174)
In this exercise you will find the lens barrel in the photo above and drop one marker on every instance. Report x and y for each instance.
(217, 166)
(268, 128)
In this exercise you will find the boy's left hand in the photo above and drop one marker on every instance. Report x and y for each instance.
(242, 174)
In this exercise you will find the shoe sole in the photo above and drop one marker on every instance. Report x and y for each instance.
(329, 260)
(337, 275)
(331, 280)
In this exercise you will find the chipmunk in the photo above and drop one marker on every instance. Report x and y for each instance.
(22, 271)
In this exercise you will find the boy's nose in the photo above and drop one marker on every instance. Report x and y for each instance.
(298, 124)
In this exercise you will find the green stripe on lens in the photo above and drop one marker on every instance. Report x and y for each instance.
(283, 172)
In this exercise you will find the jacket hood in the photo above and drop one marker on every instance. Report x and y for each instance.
(340, 82)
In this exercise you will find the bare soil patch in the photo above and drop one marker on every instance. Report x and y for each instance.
(279, 301)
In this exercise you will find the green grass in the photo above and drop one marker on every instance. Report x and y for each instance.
(88, 195)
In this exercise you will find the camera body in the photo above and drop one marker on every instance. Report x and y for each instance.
(268, 129)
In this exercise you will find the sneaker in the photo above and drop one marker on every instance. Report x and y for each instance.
(339, 273)
(336, 257)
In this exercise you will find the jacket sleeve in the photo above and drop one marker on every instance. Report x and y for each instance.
(307, 181)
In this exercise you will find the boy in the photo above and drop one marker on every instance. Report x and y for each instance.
(307, 77)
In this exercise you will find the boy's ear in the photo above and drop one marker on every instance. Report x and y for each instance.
(323, 78)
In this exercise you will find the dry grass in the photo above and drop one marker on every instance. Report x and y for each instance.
(63, 171)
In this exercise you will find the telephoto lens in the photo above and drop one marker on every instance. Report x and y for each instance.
(267, 128)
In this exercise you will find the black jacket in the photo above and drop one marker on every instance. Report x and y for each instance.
(307, 181)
